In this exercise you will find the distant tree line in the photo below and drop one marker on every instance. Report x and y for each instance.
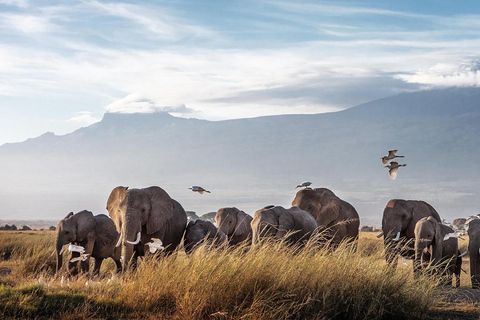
(369, 229)
(24, 228)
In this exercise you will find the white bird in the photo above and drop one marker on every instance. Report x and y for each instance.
(451, 235)
(404, 261)
(42, 281)
(92, 283)
(392, 154)
(74, 248)
(82, 257)
(155, 245)
(304, 184)
(393, 166)
(198, 189)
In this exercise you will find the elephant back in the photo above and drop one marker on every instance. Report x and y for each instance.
(106, 237)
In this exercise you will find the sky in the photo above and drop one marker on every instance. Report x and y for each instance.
(63, 64)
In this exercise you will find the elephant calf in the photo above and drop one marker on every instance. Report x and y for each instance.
(97, 234)
(278, 222)
(200, 230)
(431, 246)
(235, 224)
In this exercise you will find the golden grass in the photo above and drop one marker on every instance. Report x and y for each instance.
(267, 282)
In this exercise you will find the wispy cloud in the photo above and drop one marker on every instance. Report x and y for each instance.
(296, 57)
(83, 118)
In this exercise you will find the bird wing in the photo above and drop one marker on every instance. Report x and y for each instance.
(200, 191)
(394, 163)
(393, 173)
(384, 160)
(392, 153)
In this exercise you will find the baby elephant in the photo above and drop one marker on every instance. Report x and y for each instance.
(96, 234)
(198, 231)
(276, 221)
(436, 243)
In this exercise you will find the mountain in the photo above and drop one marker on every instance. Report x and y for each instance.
(250, 163)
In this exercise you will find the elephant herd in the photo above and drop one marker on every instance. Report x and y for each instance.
(141, 217)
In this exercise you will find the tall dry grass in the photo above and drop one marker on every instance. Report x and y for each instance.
(271, 281)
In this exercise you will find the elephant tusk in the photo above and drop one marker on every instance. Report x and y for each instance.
(397, 237)
(136, 241)
(465, 253)
(119, 242)
(425, 250)
(381, 234)
(61, 251)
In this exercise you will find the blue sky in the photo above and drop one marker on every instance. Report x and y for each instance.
(63, 64)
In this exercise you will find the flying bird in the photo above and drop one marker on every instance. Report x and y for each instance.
(392, 154)
(393, 166)
(305, 184)
(198, 189)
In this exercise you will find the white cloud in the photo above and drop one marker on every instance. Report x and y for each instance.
(84, 118)
(464, 74)
(17, 3)
(154, 20)
(29, 24)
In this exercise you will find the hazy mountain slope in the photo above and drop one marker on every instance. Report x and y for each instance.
(254, 162)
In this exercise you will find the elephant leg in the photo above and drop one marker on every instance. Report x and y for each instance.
(73, 266)
(98, 264)
(88, 250)
(118, 263)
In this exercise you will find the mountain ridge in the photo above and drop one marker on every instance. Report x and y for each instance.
(254, 161)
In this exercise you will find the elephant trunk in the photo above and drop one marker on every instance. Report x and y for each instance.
(59, 250)
(130, 237)
(421, 248)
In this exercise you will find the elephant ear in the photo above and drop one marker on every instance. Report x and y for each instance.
(115, 197)
(85, 223)
(331, 209)
(243, 223)
(161, 209)
(286, 223)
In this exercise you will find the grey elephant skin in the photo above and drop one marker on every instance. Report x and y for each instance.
(336, 218)
(399, 219)
(235, 224)
(474, 250)
(199, 231)
(143, 214)
(276, 221)
(97, 234)
(429, 235)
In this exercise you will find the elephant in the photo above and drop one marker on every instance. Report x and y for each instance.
(336, 218)
(97, 234)
(199, 230)
(235, 224)
(398, 224)
(474, 249)
(459, 223)
(278, 222)
(143, 214)
(430, 237)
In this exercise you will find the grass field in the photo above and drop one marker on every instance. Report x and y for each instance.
(269, 282)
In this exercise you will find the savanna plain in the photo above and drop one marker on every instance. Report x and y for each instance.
(271, 281)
